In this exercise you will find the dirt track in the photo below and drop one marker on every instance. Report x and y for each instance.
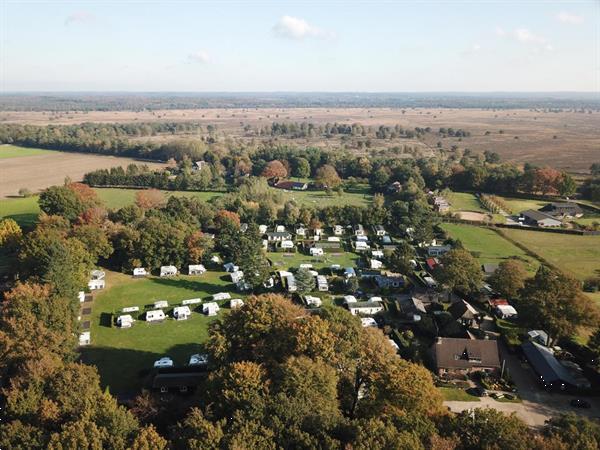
(38, 172)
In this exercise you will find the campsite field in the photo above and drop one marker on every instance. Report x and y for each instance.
(285, 261)
(125, 356)
(488, 246)
(577, 255)
(355, 197)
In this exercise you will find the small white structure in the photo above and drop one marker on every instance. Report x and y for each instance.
(168, 271)
(318, 232)
(163, 362)
(376, 264)
(236, 303)
(361, 246)
(334, 239)
(358, 230)
(81, 296)
(312, 301)
(279, 229)
(376, 299)
(191, 301)
(230, 267)
(362, 238)
(322, 285)
(506, 311)
(430, 282)
(306, 266)
(349, 299)
(139, 272)
(125, 321)
(94, 285)
(159, 304)
(378, 254)
(300, 230)
(338, 230)
(368, 322)
(379, 230)
(262, 229)
(198, 360)
(98, 274)
(129, 309)
(367, 308)
(222, 296)
(155, 316)
(181, 312)
(215, 258)
(237, 276)
(210, 309)
(316, 251)
(196, 269)
(287, 244)
(85, 338)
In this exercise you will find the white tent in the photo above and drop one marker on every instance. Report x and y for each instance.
(181, 312)
(155, 316)
(210, 309)
(124, 321)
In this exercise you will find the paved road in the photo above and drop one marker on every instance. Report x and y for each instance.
(537, 406)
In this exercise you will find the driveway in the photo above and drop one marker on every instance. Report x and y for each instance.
(538, 405)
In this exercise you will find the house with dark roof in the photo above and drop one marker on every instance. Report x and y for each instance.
(562, 210)
(539, 219)
(551, 373)
(180, 381)
(292, 185)
(411, 306)
(462, 356)
(464, 313)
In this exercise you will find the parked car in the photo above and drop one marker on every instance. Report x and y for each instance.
(163, 362)
(579, 403)
(477, 391)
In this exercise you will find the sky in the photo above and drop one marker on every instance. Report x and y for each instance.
(251, 46)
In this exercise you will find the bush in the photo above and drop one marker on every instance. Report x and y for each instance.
(24, 192)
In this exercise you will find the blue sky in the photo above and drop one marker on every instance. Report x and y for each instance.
(273, 45)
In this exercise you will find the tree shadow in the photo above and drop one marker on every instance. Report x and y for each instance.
(194, 285)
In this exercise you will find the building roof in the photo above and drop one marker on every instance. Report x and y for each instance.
(412, 305)
(537, 216)
(458, 353)
(291, 185)
(546, 365)
(462, 309)
(489, 267)
(279, 234)
(560, 207)
(359, 305)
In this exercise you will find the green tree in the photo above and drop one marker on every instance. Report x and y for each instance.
(459, 270)
(509, 278)
(305, 281)
(399, 260)
(10, 233)
(577, 432)
(301, 168)
(62, 201)
(567, 185)
(327, 177)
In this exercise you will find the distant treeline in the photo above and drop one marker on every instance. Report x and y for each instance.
(155, 101)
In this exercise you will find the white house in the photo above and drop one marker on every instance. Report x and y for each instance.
(96, 284)
(155, 316)
(368, 322)
(438, 250)
(168, 271)
(236, 303)
(349, 299)
(222, 296)
(368, 308)
(338, 230)
(181, 312)
(361, 246)
(139, 272)
(210, 309)
(322, 285)
(287, 244)
(315, 251)
(312, 301)
(279, 228)
(159, 304)
(191, 301)
(81, 296)
(358, 230)
(85, 338)
(130, 309)
(237, 276)
(196, 269)
(125, 321)
(376, 264)
(378, 254)
(163, 362)
(230, 267)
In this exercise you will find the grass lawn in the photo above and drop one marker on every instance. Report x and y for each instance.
(12, 151)
(587, 220)
(359, 196)
(577, 255)
(487, 245)
(284, 261)
(23, 210)
(517, 205)
(457, 395)
(463, 201)
(125, 356)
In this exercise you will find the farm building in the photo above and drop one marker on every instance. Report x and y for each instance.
(236, 303)
(168, 271)
(562, 210)
(539, 219)
(155, 316)
(139, 272)
(462, 356)
(365, 308)
(196, 269)
(125, 321)
(210, 309)
(181, 312)
(222, 296)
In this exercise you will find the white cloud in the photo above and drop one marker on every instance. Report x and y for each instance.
(80, 17)
(526, 36)
(572, 19)
(296, 28)
(201, 56)
(500, 31)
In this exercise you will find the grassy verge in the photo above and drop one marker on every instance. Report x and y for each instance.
(457, 395)
(464, 201)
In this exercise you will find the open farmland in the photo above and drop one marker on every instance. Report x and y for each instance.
(355, 197)
(12, 151)
(576, 255)
(566, 140)
(37, 172)
(125, 356)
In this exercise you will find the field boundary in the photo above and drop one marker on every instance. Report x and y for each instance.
(518, 227)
